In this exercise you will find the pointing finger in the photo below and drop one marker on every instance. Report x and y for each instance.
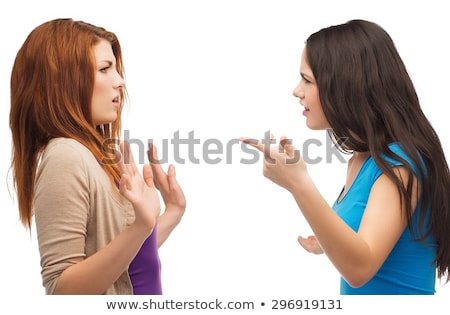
(253, 142)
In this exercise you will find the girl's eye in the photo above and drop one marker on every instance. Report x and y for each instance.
(305, 79)
(103, 70)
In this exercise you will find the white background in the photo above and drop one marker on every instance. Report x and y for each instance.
(224, 69)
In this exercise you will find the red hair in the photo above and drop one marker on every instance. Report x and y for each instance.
(51, 91)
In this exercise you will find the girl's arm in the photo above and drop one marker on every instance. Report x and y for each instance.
(95, 274)
(356, 255)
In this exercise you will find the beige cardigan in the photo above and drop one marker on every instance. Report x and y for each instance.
(77, 211)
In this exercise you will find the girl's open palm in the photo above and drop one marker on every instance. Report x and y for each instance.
(138, 189)
(310, 244)
(167, 184)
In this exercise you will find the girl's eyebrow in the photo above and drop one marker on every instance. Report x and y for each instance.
(306, 76)
(109, 62)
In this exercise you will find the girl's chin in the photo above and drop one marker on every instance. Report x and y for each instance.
(314, 125)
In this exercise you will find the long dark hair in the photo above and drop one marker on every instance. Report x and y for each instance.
(370, 101)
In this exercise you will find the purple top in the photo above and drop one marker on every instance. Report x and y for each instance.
(145, 269)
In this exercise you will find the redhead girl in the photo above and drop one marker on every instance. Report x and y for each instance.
(98, 220)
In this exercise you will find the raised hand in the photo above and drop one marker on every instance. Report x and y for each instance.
(139, 189)
(166, 183)
(172, 194)
(282, 164)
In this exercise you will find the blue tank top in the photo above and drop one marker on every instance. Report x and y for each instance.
(410, 267)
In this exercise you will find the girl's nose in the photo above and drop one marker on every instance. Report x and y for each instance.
(120, 83)
(298, 92)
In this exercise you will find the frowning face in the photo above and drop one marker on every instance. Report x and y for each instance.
(308, 93)
(107, 85)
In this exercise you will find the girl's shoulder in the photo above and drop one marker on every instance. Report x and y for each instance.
(66, 148)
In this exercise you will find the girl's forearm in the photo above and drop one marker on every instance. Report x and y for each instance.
(345, 249)
(167, 222)
(98, 272)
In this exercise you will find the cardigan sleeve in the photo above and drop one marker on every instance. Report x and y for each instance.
(61, 209)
